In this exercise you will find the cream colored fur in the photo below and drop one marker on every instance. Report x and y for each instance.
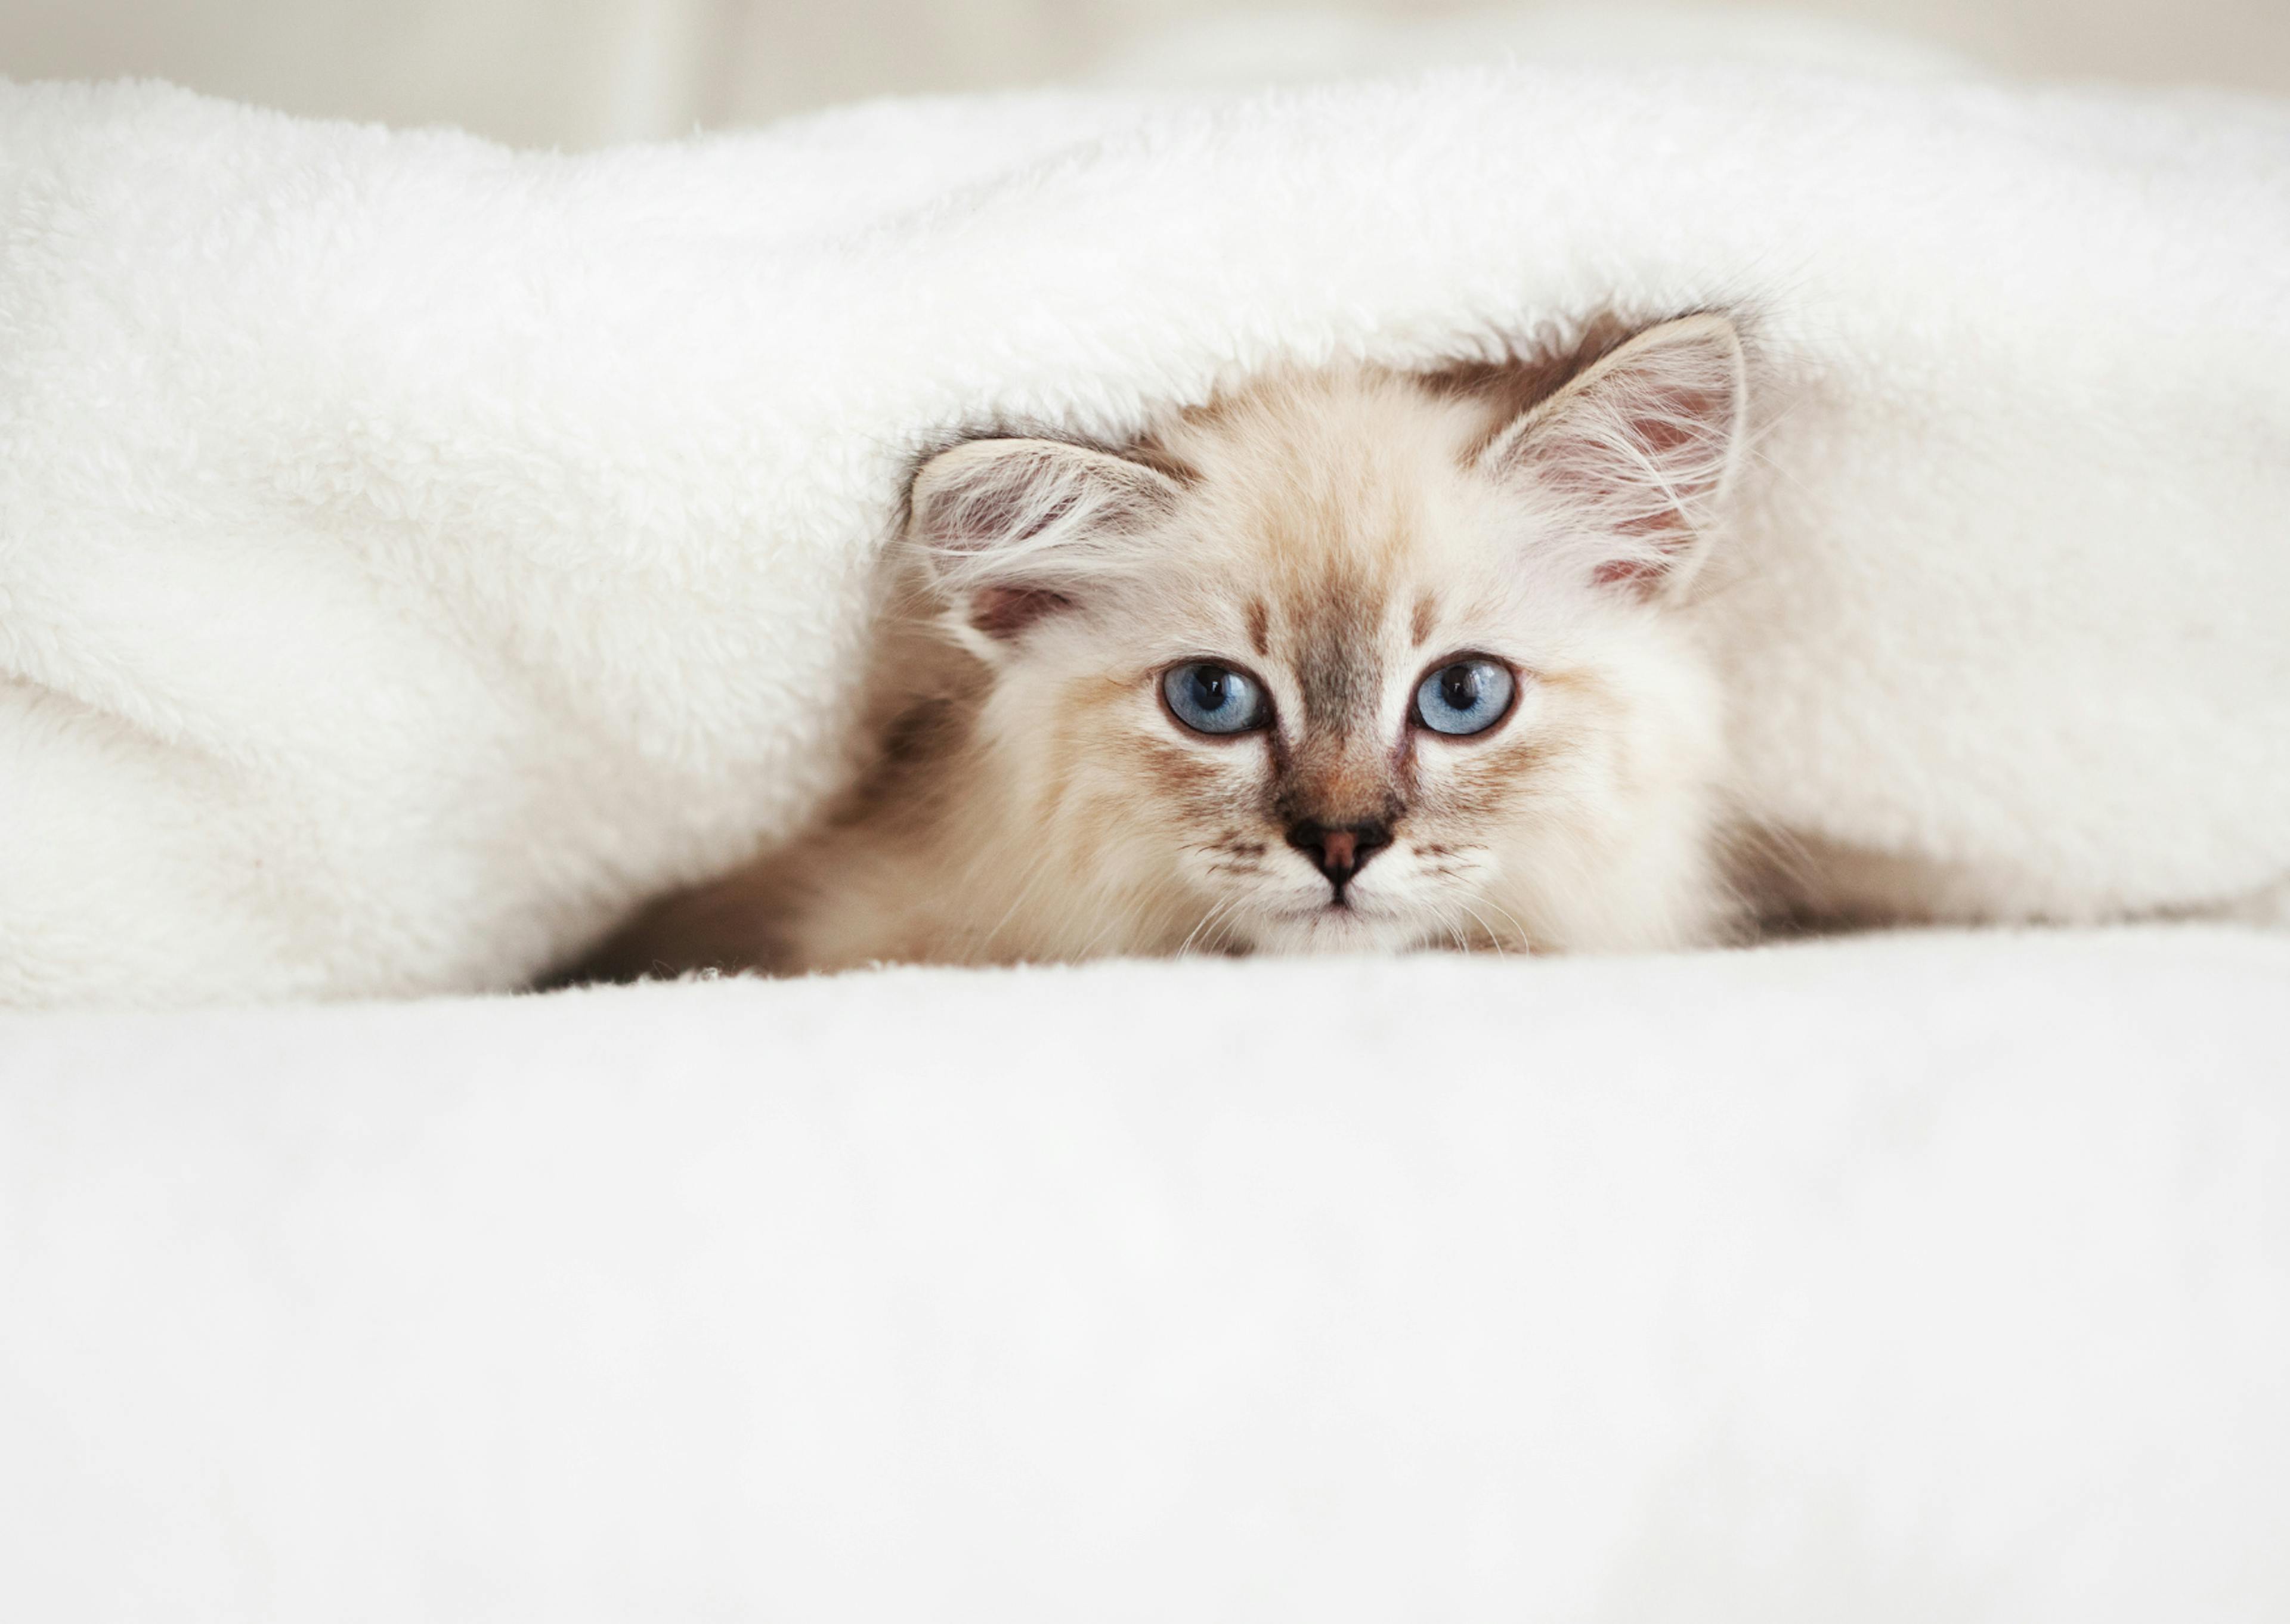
(1335, 535)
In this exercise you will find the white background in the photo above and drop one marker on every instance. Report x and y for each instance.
(579, 73)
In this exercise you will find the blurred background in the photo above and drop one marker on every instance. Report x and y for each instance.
(584, 73)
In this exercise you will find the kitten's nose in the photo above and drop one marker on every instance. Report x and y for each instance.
(1339, 853)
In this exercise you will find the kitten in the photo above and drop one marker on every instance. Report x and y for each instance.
(1347, 659)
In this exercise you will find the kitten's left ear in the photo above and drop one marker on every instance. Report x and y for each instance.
(1016, 530)
(1640, 450)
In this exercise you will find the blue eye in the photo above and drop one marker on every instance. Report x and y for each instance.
(1470, 696)
(1214, 698)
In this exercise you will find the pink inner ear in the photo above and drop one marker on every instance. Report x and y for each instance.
(1639, 574)
(1638, 451)
(996, 515)
(1002, 612)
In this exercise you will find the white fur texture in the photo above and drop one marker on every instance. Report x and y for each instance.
(1919, 1280)
(411, 552)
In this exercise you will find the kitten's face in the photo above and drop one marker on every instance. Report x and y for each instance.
(1352, 668)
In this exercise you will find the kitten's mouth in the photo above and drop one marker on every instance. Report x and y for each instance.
(1337, 925)
(1334, 915)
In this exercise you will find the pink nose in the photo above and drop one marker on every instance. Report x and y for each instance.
(1339, 853)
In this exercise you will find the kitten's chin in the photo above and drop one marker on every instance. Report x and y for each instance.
(1331, 928)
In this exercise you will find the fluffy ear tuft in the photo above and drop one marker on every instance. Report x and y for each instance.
(1013, 531)
(1639, 450)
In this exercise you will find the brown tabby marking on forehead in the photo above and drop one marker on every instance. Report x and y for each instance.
(1341, 677)
(1427, 615)
(1259, 626)
(1336, 624)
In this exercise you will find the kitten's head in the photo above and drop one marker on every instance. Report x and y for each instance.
(1352, 659)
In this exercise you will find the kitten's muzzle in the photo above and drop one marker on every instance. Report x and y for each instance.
(1339, 853)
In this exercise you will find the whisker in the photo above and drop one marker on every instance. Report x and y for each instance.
(1494, 939)
(1037, 871)
(1520, 933)
(1224, 906)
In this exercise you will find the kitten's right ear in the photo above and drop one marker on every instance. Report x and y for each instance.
(1013, 531)
(1640, 450)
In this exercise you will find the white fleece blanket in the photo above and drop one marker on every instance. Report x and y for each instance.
(412, 552)
(1911, 1279)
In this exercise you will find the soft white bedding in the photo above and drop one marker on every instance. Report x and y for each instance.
(411, 552)
(414, 553)
(1921, 1277)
